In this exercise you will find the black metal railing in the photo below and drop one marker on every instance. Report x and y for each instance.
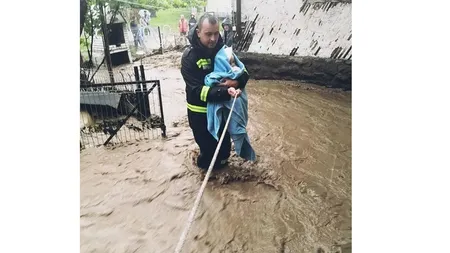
(120, 112)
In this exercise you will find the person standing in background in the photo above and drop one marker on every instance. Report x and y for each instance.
(183, 26)
(192, 21)
(135, 31)
(228, 33)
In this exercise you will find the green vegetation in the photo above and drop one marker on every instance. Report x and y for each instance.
(170, 17)
(168, 13)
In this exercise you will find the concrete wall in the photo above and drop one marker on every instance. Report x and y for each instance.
(305, 28)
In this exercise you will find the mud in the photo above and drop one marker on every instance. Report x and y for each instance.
(333, 73)
(295, 198)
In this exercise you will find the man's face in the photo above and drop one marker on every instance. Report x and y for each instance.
(208, 34)
(226, 27)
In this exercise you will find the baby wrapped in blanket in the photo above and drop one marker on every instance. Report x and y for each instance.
(227, 65)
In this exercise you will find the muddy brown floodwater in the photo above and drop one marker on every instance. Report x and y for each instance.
(295, 198)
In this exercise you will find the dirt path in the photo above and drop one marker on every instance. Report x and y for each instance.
(296, 198)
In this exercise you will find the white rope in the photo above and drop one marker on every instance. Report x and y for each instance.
(202, 188)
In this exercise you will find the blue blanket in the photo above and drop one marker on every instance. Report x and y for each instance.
(216, 112)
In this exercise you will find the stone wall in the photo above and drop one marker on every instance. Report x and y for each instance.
(333, 73)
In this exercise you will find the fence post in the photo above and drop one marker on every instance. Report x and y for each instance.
(144, 85)
(145, 105)
(136, 76)
(238, 19)
(163, 125)
(139, 95)
(160, 41)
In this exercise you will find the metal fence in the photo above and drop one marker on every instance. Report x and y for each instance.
(120, 107)
(154, 39)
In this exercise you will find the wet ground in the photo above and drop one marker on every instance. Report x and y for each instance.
(295, 198)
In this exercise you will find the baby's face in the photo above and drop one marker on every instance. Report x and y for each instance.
(230, 57)
(232, 62)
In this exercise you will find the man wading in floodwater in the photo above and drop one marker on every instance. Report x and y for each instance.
(196, 63)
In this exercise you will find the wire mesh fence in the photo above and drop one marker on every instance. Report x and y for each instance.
(119, 107)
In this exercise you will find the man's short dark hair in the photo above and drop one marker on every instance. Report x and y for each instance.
(207, 16)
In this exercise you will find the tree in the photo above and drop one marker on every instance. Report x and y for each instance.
(83, 10)
(195, 3)
(90, 22)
